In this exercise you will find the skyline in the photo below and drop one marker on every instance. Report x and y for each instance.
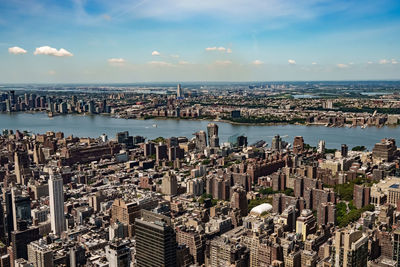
(170, 41)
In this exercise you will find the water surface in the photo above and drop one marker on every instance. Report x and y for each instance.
(94, 126)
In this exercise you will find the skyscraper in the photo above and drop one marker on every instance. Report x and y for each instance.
(169, 185)
(350, 248)
(344, 150)
(276, 143)
(155, 242)
(306, 224)
(239, 199)
(201, 140)
(298, 144)
(56, 204)
(21, 166)
(21, 207)
(212, 130)
(179, 91)
(321, 147)
(12, 97)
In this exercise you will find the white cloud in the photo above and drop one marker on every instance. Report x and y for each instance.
(223, 62)
(51, 72)
(155, 53)
(370, 62)
(50, 51)
(220, 49)
(314, 63)
(16, 50)
(342, 66)
(183, 62)
(292, 62)
(116, 61)
(384, 61)
(160, 64)
(175, 56)
(257, 62)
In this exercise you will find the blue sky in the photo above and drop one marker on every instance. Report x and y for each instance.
(209, 40)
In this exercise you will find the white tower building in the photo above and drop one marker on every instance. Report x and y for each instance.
(56, 204)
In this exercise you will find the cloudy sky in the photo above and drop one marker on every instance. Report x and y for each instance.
(97, 41)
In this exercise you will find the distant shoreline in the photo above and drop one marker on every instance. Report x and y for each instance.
(200, 119)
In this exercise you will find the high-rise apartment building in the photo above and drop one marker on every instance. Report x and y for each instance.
(201, 140)
(361, 195)
(39, 254)
(212, 130)
(125, 213)
(56, 193)
(350, 248)
(305, 224)
(155, 242)
(169, 185)
(298, 144)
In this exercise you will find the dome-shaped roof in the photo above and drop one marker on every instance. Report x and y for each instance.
(265, 207)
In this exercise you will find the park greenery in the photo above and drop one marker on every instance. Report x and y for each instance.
(348, 213)
(205, 196)
(359, 148)
(159, 139)
(265, 120)
(345, 191)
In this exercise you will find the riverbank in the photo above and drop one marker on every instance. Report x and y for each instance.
(94, 126)
(203, 119)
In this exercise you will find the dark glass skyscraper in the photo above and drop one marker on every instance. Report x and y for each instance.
(155, 242)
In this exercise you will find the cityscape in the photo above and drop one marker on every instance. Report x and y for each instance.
(178, 133)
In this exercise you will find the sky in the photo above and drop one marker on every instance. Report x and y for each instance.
(128, 41)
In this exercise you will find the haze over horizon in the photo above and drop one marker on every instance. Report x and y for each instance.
(78, 41)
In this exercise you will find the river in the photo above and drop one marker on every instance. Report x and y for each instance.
(94, 126)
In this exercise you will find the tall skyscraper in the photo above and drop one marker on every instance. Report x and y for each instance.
(212, 130)
(344, 150)
(201, 140)
(179, 93)
(321, 147)
(276, 143)
(21, 207)
(239, 200)
(21, 238)
(155, 241)
(12, 97)
(56, 204)
(21, 166)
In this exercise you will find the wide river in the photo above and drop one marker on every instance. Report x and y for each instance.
(94, 126)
